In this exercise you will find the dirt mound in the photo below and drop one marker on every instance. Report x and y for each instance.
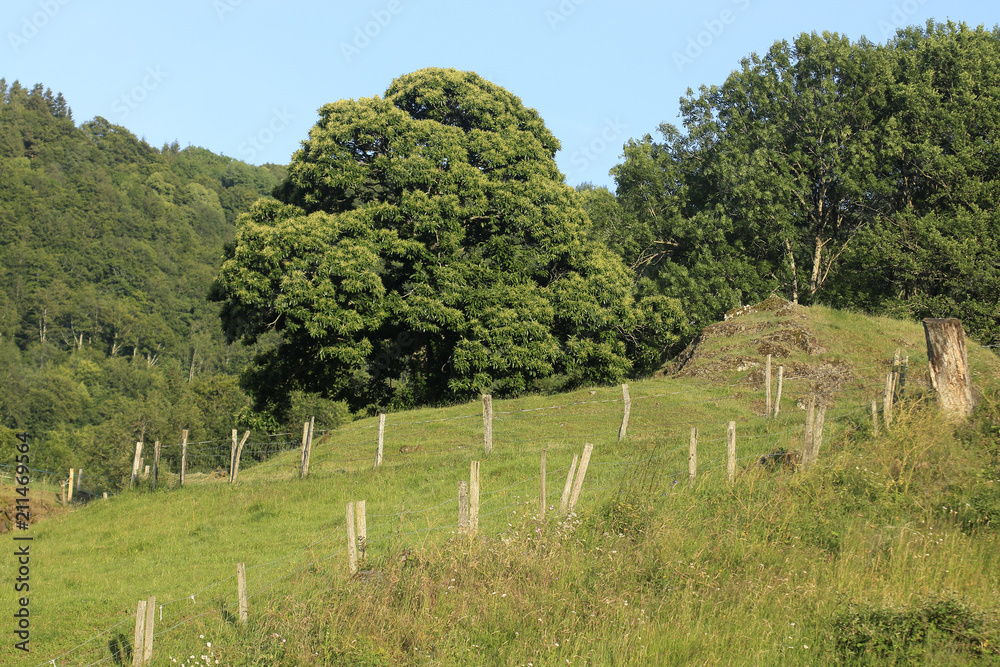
(740, 345)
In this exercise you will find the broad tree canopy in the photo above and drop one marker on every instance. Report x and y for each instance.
(425, 247)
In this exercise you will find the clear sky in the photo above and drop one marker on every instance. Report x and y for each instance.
(245, 78)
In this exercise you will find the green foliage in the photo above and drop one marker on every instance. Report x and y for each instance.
(107, 247)
(928, 630)
(828, 171)
(425, 248)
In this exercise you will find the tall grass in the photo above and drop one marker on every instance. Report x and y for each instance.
(884, 552)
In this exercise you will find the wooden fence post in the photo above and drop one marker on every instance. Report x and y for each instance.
(63, 485)
(488, 423)
(818, 433)
(239, 453)
(580, 474)
(156, 462)
(232, 454)
(241, 591)
(147, 644)
(136, 462)
(184, 454)
(887, 402)
(807, 441)
(564, 501)
(305, 441)
(463, 507)
(79, 478)
(304, 472)
(777, 397)
(693, 455)
(69, 486)
(948, 361)
(623, 429)
(139, 638)
(381, 439)
(541, 488)
(731, 451)
(352, 540)
(474, 498)
(361, 520)
(767, 382)
(145, 473)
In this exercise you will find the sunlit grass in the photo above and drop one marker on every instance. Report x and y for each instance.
(651, 570)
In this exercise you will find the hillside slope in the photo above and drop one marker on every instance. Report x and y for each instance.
(884, 552)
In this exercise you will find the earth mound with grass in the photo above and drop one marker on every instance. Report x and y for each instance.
(809, 342)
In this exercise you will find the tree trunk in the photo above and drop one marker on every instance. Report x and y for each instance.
(949, 366)
(795, 274)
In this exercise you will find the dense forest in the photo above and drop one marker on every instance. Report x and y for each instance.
(107, 249)
(422, 246)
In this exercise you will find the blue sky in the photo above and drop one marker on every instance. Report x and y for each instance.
(245, 77)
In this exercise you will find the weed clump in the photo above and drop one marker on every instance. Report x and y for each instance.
(931, 630)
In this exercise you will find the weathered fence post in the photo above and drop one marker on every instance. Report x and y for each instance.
(307, 446)
(239, 453)
(541, 488)
(731, 452)
(361, 520)
(147, 644)
(184, 455)
(232, 454)
(564, 500)
(156, 462)
(381, 439)
(693, 455)
(887, 402)
(139, 638)
(69, 486)
(463, 507)
(352, 540)
(807, 441)
(474, 498)
(580, 474)
(948, 361)
(623, 429)
(818, 433)
(79, 478)
(241, 592)
(767, 383)
(136, 462)
(777, 397)
(487, 423)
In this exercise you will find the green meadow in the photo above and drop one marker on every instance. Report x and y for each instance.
(883, 552)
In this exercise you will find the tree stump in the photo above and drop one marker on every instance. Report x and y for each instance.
(949, 366)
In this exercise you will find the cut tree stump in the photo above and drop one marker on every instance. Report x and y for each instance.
(949, 366)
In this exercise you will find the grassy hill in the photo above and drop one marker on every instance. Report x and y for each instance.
(884, 552)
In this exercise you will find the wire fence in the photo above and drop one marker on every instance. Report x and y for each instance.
(655, 452)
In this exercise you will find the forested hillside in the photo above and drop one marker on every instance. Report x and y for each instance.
(107, 249)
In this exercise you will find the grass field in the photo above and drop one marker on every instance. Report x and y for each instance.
(884, 552)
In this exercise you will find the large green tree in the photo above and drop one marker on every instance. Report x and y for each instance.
(425, 247)
(853, 174)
